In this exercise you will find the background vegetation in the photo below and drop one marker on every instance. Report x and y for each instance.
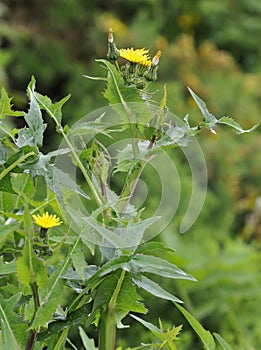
(212, 46)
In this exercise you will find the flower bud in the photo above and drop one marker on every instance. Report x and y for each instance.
(110, 36)
(113, 53)
(155, 60)
(151, 72)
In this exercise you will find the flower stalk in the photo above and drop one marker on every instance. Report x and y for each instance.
(33, 332)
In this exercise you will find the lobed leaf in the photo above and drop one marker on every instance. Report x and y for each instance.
(32, 136)
(54, 110)
(235, 126)
(6, 106)
(207, 116)
(128, 300)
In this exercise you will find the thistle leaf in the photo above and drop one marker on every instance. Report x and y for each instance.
(209, 120)
(54, 110)
(6, 106)
(33, 135)
(235, 126)
(13, 329)
(207, 116)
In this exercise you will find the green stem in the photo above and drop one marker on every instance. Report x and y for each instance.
(131, 184)
(134, 175)
(108, 322)
(61, 339)
(13, 165)
(130, 187)
(97, 197)
(33, 332)
(134, 141)
(107, 330)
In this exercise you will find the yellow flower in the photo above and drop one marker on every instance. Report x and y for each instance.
(47, 220)
(136, 56)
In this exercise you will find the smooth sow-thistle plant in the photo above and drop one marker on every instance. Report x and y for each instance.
(75, 240)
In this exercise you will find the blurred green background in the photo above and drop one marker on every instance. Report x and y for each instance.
(211, 46)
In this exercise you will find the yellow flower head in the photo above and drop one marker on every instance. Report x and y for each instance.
(136, 56)
(47, 220)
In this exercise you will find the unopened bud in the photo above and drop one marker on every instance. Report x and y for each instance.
(110, 36)
(113, 53)
(155, 60)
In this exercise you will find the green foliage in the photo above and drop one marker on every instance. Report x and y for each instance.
(13, 328)
(29, 269)
(6, 230)
(210, 121)
(32, 136)
(229, 273)
(6, 106)
(204, 335)
(166, 337)
(50, 297)
(87, 342)
(222, 342)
